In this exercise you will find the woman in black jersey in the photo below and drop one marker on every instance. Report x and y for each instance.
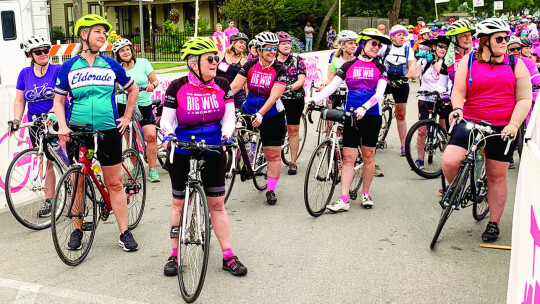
(230, 63)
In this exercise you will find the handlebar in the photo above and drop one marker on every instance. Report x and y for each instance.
(313, 107)
(37, 120)
(198, 147)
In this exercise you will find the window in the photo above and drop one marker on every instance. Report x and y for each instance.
(166, 11)
(125, 20)
(94, 8)
(68, 13)
(8, 25)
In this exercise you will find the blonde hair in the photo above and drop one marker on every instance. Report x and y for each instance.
(229, 50)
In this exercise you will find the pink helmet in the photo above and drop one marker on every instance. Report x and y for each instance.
(451, 20)
(283, 36)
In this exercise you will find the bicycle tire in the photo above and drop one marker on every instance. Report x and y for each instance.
(59, 233)
(385, 127)
(314, 208)
(191, 296)
(259, 178)
(25, 214)
(357, 177)
(431, 168)
(302, 133)
(136, 201)
(458, 191)
(230, 176)
(159, 138)
(481, 207)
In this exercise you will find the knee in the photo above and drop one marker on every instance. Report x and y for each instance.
(150, 138)
(450, 162)
(400, 115)
(217, 205)
(368, 157)
(496, 176)
(348, 159)
(273, 157)
(115, 185)
(293, 133)
(177, 206)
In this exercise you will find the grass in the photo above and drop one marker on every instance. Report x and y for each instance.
(177, 71)
(166, 65)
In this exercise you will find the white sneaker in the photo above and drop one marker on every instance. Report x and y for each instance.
(338, 205)
(366, 201)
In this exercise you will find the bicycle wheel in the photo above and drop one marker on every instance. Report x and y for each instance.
(194, 247)
(134, 185)
(302, 133)
(321, 179)
(230, 175)
(357, 178)
(455, 194)
(162, 154)
(480, 205)
(385, 127)
(426, 140)
(75, 201)
(26, 187)
(260, 166)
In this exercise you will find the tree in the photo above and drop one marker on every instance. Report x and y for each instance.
(324, 23)
(393, 14)
(77, 9)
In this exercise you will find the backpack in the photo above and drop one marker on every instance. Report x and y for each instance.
(396, 70)
(512, 63)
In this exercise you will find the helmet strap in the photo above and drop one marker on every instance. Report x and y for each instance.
(199, 75)
(87, 41)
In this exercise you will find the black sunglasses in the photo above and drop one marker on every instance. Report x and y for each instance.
(442, 46)
(517, 49)
(501, 38)
(377, 45)
(211, 59)
(39, 52)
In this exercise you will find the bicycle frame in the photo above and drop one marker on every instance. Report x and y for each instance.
(192, 179)
(251, 169)
(333, 139)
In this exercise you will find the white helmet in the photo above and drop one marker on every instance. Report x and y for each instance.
(265, 38)
(533, 34)
(491, 26)
(120, 43)
(34, 42)
(424, 31)
(346, 35)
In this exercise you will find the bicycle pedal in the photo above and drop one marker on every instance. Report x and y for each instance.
(87, 226)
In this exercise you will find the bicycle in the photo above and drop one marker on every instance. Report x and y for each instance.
(302, 133)
(28, 174)
(246, 157)
(323, 170)
(194, 234)
(84, 210)
(388, 113)
(472, 170)
(426, 139)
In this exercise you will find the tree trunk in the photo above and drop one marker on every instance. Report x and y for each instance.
(77, 10)
(324, 23)
(393, 15)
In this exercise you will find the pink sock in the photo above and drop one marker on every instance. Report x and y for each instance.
(271, 183)
(344, 198)
(365, 192)
(174, 252)
(227, 253)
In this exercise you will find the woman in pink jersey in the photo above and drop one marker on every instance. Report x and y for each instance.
(504, 105)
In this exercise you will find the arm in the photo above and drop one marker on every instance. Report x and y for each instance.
(275, 94)
(20, 104)
(523, 99)
(459, 92)
(411, 68)
(154, 83)
(59, 103)
(168, 123)
(299, 83)
(228, 121)
(328, 90)
(133, 94)
(238, 83)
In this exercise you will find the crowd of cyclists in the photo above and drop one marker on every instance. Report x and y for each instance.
(461, 60)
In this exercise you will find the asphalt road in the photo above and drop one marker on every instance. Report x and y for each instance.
(380, 255)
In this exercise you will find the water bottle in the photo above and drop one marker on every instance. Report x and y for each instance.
(60, 152)
(253, 148)
(478, 164)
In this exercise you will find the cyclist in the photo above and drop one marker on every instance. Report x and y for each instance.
(293, 97)
(411, 37)
(399, 61)
(252, 50)
(231, 62)
(429, 66)
(420, 24)
(366, 80)
(186, 113)
(35, 86)
(472, 98)
(345, 52)
(381, 27)
(141, 71)
(526, 46)
(89, 79)
(266, 80)
(425, 35)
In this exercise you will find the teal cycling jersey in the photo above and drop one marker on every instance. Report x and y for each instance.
(92, 90)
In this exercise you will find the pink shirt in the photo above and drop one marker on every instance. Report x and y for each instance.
(230, 32)
(492, 95)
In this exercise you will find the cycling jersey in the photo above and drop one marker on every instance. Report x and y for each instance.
(38, 92)
(199, 108)
(260, 82)
(429, 77)
(362, 78)
(139, 73)
(92, 90)
(396, 59)
(295, 66)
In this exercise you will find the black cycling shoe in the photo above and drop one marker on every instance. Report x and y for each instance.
(171, 268)
(45, 211)
(233, 265)
(127, 242)
(492, 232)
(75, 240)
(292, 169)
(271, 197)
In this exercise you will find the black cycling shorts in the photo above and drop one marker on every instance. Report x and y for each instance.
(494, 146)
(337, 100)
(400, 94)
(109, 151)
(239, 99)
(212, 174)
(367, 132)
(293, 110)
(146, 112)
(272, 128)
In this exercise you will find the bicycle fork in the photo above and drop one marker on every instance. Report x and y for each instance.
(192, 176)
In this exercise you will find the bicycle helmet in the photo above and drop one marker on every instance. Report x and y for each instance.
(34, 42)
(265, 38)
(491, 26)
(533, 34)
(198, 46)
(459, 27)
(514, 40)
(346, 35)
(89, 21)
(372, 33)
(424, 31)
(526, 42)
(251, 43)
(283, 36)
(403, 23)
(410, 27)
(239, 36)
(398, 28)
(452, 20)
(420, 19)
(120, 43)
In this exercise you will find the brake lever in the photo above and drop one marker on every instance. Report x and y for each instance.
(510, 140)
(454, 121)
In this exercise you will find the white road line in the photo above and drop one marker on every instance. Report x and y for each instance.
(28, 293)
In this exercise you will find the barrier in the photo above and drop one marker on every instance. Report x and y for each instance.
(524, 278)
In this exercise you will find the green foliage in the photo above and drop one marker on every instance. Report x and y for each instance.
(136, 40)
(188, 28)
(171, 28)
(204, 25)
(57, 33)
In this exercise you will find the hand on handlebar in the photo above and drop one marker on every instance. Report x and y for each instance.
(63, 134)
(456, 116)
(256, 119)
(509, 131)
(14, 125)
(360, 112)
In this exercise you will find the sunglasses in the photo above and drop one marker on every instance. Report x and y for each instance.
(442, 46)
(500, 39)
(211, 59)
(377, 45)
(515, 49)
(39, 52)
(269, 48)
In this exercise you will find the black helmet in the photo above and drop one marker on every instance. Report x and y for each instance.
(420, 18)
(239, 36)
(526, 42)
